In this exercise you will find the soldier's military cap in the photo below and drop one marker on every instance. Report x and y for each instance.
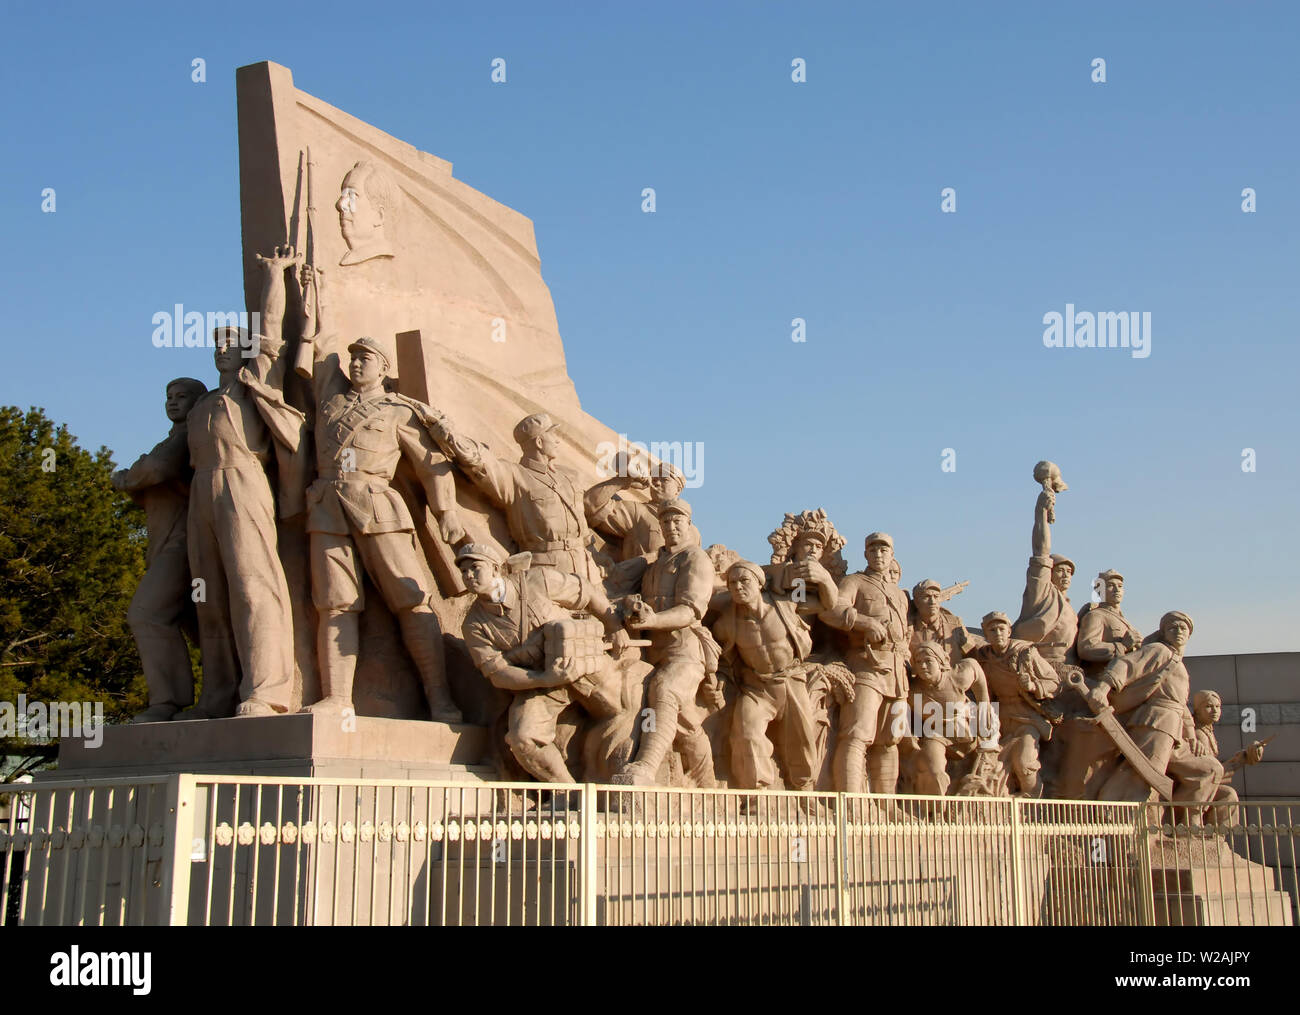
(751, 567)
(879, 537)
(478, 551)
(1176, 615)
(676, 506)
(228, 335)
(1108, 575)
(923, 584)
(1060, 558)
(995, 617)
(534, 426)
(370, 345)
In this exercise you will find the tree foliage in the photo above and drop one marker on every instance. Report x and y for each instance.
(71, 554)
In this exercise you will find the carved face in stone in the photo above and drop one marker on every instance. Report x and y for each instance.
(482, 577)
(366, 369)
(1061, 575)
(228, 356)
(1114, 591)
(927, 602)
(745, 587)
(879, 557)
(358, 217)
(180, 400)
(674, 527)
(929, 668)
(808, 546)
(365, 207)
(548, 443)
(1175, 632)
(998, 635)
(1209, 711)
(668, 485)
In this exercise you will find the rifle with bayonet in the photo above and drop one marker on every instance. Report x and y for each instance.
(305, 358)
(952, 590)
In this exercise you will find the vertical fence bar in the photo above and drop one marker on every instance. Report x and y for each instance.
(179, 826)
(587, 854)
(1017, 867)
(842, 904)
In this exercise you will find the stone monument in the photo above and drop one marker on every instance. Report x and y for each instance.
(413, 565)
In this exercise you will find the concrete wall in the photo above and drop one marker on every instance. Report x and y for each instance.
(1269, 683)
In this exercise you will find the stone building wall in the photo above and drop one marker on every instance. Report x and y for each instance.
(1269, 683)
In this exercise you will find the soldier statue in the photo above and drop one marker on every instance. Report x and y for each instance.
(523, 637)
(359, 525)
(675, 595)
(1148, 690)
(931, 622)
(161, 611)
(1024, 684)
(1104, 632)
(633, 523)
(542, 500)
(873, 610)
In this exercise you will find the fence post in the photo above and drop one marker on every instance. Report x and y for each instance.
(1146, 877)
(175, 880)
(842, 905)
(587, 857)
(1017, 867)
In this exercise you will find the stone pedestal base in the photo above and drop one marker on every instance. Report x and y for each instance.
(1201, 882)
(361, 747)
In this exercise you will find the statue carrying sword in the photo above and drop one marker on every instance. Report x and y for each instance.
(1140, 701)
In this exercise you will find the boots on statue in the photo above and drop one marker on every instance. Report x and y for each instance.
(337, 640)
(883, 765)
(654, 748)
(423, 638)
(851, 767)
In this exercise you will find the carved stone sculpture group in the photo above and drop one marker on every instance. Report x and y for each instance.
(620, 648)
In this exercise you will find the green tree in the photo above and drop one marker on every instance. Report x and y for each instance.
(71, 554)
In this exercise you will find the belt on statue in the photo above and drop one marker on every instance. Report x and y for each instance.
(337, 474)
(555, 544)
(795, 672)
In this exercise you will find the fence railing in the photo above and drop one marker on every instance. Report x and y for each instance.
(1230, 864)
(235, 850)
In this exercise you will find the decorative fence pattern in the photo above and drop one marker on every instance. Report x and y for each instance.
(227, 851)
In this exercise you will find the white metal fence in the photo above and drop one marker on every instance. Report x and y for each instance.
(1229, 864)
(223, 851)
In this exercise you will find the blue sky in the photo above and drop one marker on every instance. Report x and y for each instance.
(775, 200)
